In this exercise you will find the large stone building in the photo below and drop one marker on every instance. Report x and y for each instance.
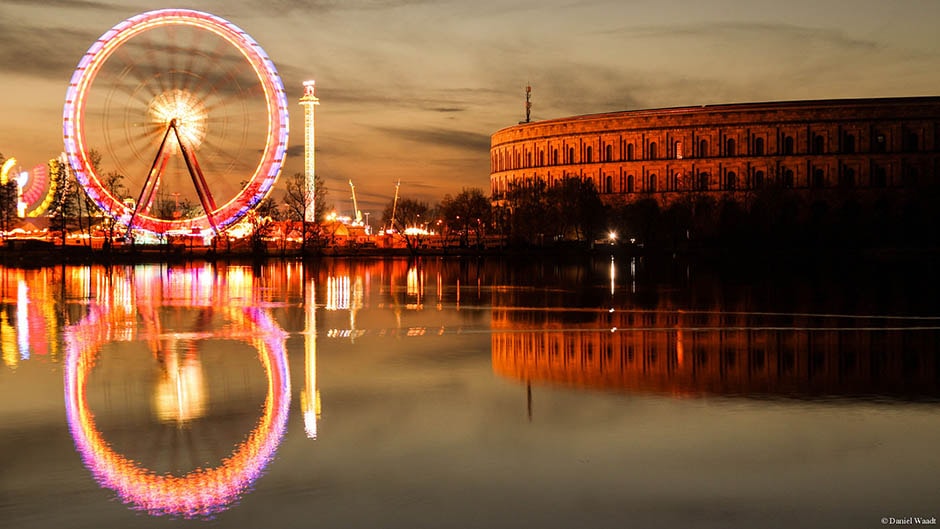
(728, 151)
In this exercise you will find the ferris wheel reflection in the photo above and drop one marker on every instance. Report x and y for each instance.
(131, 315)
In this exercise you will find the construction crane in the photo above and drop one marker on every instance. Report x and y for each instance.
(358, 221)
(391, 221)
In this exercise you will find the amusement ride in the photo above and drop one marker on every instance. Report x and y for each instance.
(189, 117)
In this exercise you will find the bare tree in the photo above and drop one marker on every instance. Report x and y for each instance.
(262, 220)
(409, 213)
(299, 202)
(470, 211)
(62, 210)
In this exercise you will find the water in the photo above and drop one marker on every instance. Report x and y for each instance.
(466, 393)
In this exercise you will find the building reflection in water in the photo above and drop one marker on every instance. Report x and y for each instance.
(131, 306)
(671, 351)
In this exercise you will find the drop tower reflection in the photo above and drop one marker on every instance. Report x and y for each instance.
(132, 309)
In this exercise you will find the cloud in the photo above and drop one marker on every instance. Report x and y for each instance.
(66, 4)
(327, 6)
(473, 141)
(749, 31)
(45, 53)
(295, 150)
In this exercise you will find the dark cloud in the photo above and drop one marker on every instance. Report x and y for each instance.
(473, 141)
(66, 4)
(324, 6)
(45, 53)
(748, 30)
(295, 150)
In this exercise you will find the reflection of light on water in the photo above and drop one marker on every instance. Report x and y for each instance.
(22, 318)
(345, 294)
(80, 280)
(337, 293)
(203, 491)
(413, 282)
(238, 283)
(180, 392)
(613, 275)
(8, 341)
(311, 406)
(28, 316)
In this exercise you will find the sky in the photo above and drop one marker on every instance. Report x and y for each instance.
(411, 90)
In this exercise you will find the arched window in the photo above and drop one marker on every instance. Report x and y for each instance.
(758, 179)
(788, 145)
(630, 152)
(819, 178)
(630, 184)
(651, 183)
(879, 177)
(759, 147)
(703, 181)
(589, 153)
(848, 144)
(541, 158)
(570, 154)
(788, 178)
(878, 142)
(554, 156)
(729, 147)
(848, 177)
(528, 159)
(608, 184)
(652, 150)
(703, 149)
(731, 181)
(608, 153)
(819, 144)
(911, 141)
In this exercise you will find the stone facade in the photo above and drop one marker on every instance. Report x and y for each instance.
(728, 151)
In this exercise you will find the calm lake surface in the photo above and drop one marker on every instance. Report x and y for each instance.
(441, 393)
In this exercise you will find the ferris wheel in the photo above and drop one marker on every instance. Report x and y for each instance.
(176, 121)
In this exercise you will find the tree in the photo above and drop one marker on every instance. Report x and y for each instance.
(84, 208)
(469, 211)
(64, 206)
(262, 219)
(7, 204)
(528, 212)
(640, 220)
(114, 183)
(409, 213)
(299, 202)
(577, 210)
(7, 207)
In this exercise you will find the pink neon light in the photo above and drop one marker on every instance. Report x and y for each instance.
(200, 493)
(270, 164)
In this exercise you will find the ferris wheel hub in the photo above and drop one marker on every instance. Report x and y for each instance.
(186, 110)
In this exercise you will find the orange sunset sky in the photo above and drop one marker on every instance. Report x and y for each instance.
(412, 89)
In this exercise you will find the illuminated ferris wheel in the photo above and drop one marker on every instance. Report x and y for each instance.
(188, 118)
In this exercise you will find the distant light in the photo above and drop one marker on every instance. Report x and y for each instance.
(612, 236)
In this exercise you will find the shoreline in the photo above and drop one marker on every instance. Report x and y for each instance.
(48, 254)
